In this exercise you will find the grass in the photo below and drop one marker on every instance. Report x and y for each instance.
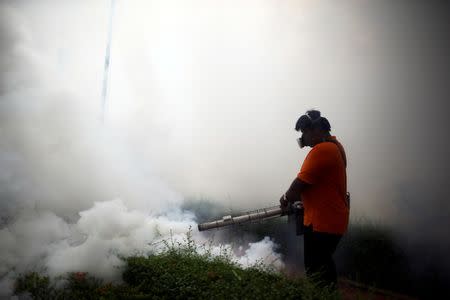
(180, 271)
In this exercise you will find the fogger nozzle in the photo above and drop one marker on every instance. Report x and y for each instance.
(260, 214)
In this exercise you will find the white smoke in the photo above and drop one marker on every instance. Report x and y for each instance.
(109, 229)
(262, 252)
(75, 195)
(41, 241)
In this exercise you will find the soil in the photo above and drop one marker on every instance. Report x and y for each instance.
(351, 290)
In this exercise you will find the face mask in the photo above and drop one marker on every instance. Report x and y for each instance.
(301, 142)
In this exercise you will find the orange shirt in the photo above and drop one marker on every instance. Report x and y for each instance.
(325, 200)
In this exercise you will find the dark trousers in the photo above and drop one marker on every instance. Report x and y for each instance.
(318, 249)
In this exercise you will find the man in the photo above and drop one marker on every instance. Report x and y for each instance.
(321, 185)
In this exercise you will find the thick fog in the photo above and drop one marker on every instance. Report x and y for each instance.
(202, 101)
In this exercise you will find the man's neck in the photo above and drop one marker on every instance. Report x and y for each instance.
(324, 138)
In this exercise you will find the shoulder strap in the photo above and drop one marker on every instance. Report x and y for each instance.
(344, 158)
(341, 150)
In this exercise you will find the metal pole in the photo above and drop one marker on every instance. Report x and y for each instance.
(261, 214)
(107, 63)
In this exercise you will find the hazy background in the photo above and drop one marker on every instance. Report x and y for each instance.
(203, 98)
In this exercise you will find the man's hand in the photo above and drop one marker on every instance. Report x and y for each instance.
(293, 193)
(284, 203)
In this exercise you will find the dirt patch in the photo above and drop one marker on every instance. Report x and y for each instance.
(351, 290)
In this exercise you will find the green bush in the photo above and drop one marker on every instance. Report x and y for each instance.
(369, 254)
(77, 285)
(181, 272)
(35, 284)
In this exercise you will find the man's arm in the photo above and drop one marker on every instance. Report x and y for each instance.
(294, 191)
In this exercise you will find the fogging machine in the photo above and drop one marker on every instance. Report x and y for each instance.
(294, 211)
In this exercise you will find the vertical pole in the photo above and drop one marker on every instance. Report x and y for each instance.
(107, 64)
